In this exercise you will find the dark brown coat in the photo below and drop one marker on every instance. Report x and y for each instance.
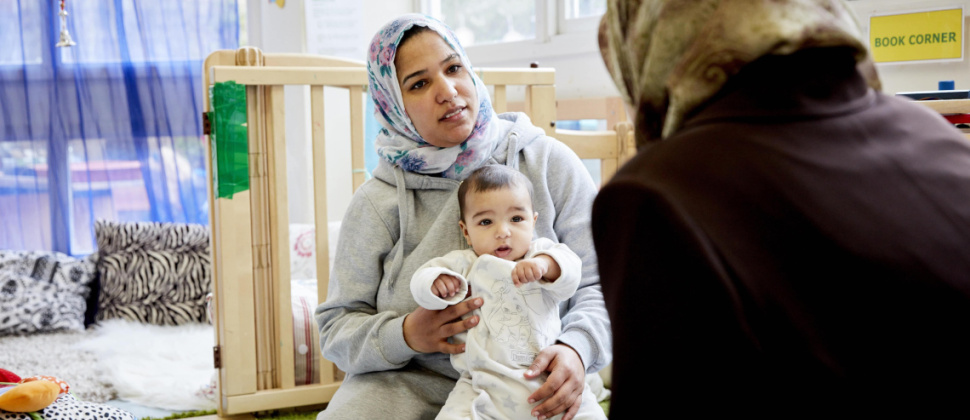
(802, 243)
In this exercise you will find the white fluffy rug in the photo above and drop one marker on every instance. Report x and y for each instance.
(156, 366)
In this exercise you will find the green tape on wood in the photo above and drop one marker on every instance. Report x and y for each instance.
(229, 139)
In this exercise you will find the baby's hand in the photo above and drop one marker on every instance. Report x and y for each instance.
(445, 286)
(529, 269)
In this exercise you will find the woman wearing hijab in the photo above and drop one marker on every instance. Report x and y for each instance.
(788, 240)
(438, 126)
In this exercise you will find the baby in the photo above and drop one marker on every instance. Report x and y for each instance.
(521, 282)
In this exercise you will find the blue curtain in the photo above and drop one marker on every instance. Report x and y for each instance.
(109, 128)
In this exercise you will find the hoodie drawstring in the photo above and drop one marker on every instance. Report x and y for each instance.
(512, 151)
(405, 203)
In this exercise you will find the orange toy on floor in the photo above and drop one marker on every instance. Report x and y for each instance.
(30, 394)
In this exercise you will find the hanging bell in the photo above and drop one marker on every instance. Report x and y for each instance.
(66, 40)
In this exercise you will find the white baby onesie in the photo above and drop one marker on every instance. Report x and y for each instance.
(516, 323)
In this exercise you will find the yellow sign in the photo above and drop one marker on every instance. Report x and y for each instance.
(933, 35)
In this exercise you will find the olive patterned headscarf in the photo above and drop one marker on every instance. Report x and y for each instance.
(667, 57)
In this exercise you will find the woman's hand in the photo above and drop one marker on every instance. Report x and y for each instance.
(427, 331)
(563, 390)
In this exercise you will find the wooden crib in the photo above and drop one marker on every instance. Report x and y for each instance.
(250, 244)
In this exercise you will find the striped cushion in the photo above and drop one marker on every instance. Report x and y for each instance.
(306, 337)
(155, 273)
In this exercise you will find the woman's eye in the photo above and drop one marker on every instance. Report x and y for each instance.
(454, 68)
(418, 85)
(484, 222)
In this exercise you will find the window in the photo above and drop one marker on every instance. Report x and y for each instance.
(108, 128)
(520, 30)
(21, 35)
(478, 22)
(108, 40)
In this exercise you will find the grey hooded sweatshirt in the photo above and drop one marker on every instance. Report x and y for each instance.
(361, 323)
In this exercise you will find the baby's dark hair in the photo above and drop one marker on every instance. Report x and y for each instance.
(488, 178)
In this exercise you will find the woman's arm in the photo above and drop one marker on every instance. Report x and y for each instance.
(585, 344)
(586, 324)
(353, 333)
(357, 335)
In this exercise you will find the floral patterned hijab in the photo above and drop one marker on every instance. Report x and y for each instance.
(667, 57)
(399, 142)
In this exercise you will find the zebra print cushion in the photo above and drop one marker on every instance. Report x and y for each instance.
(43, 291)
(155, 273)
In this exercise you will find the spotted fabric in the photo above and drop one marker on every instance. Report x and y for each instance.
(66, 407)
(398, 142)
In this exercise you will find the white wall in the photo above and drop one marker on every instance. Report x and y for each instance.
(580, 72)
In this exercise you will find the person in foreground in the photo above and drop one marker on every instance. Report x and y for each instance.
(788, 240)
(438, 126)
(521, 281)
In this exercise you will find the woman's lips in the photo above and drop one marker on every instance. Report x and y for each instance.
(453, 114)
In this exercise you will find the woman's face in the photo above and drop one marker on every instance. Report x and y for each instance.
(439, 95)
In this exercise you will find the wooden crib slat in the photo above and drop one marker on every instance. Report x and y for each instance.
(256, 119)
(322, 249)
(253, 102)
(499, 101)
(279, 296)
(256, 101)
(540, 102)
(608, 168)
(625, 142)
(357, 135)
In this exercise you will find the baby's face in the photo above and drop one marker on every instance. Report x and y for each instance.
(499, 222)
